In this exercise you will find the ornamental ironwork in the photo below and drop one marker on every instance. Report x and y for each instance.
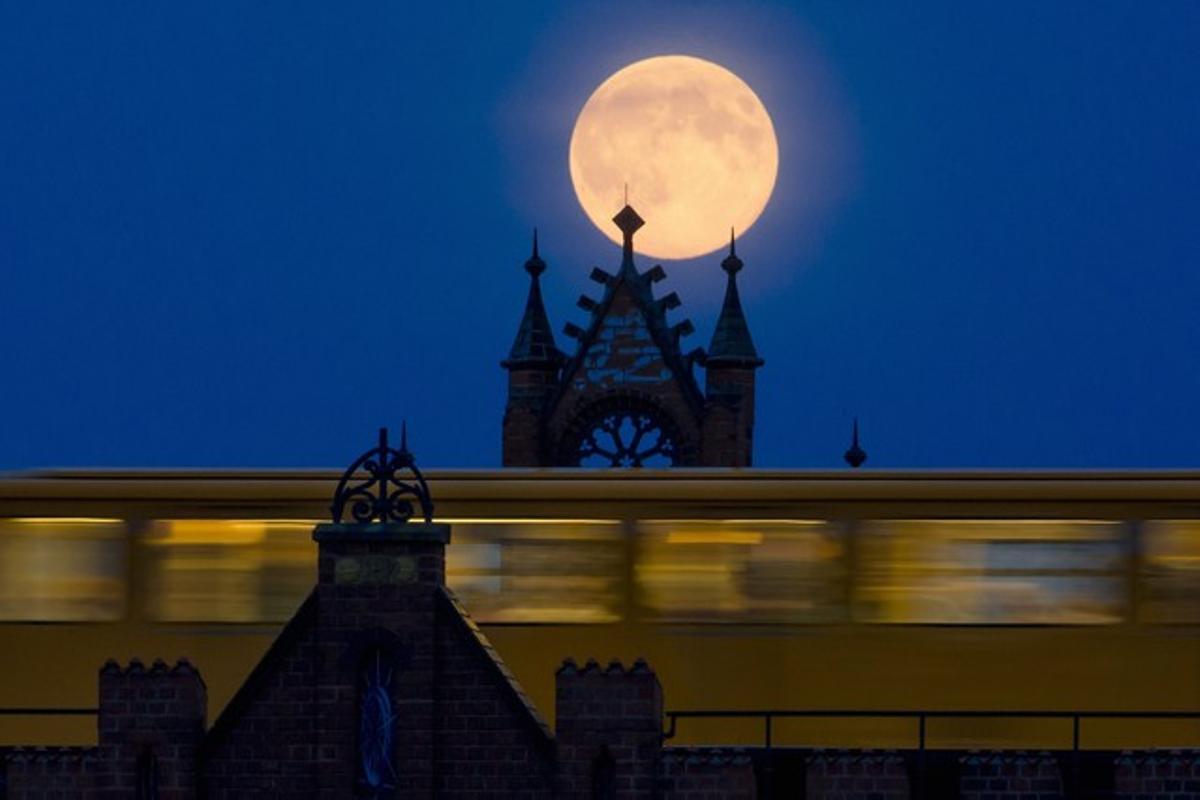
(375, 487)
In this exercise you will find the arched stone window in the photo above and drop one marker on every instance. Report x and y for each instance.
(622, 430)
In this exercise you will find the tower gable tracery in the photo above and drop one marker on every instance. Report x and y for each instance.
(624, 428)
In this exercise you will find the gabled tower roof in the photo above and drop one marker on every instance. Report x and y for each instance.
(534, 345)
(653, 310)
(731, 342)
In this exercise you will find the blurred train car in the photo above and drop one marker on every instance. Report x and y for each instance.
(745, 589)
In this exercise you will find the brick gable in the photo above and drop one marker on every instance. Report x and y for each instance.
(380, 685)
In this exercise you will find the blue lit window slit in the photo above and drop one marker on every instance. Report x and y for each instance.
(376, 721)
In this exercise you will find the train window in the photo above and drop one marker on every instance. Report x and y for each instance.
(62, 570)
(991, 572)
(207, 570)
(1171, 571)
(537, 570)
(741, 571)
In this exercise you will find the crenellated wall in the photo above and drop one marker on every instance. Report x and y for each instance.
(42, 773)
(150, 725)
(1162, 774)
(1010, 776)
(702, 773)
(856, 775)
(609, 729)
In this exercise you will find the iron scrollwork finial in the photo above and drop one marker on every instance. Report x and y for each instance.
(383, 493)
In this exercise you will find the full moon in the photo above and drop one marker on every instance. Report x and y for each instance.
(693, 144)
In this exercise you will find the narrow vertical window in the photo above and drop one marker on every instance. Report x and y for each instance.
(604, 776)
(375, 723)
(146, 787)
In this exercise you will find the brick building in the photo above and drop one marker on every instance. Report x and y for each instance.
(382, 686)
(379, 686)
(629, 395)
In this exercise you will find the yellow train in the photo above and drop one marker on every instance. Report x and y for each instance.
(746, 589)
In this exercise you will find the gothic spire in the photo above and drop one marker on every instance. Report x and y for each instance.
(534, 344)
(731, 340)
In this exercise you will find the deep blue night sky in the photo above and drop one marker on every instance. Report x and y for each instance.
(247, 234)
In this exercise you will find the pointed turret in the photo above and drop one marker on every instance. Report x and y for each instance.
(533, 364)
(731, 340)
(535, 339)
(730, 365)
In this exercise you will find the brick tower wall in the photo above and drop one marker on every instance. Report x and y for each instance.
(150, 720)
(528, 393)
(610, 714)
(728, 427)
(375, 592)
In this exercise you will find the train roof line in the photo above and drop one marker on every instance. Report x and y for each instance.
(568, 493)
(637, 475)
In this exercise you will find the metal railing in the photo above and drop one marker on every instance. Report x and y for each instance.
(768, 716)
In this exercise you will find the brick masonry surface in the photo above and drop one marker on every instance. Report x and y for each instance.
(1011, 776)
(1170, 775)
(856, 775)
(703, 773)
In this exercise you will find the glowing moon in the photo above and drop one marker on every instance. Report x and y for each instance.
(692, 141)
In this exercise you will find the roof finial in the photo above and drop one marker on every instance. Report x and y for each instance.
(855, 456)
(626, 192)
(628, 221)
(535, 266)
(732, 264)
(403, 436)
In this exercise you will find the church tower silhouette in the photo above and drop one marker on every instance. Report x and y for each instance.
(628, 397)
